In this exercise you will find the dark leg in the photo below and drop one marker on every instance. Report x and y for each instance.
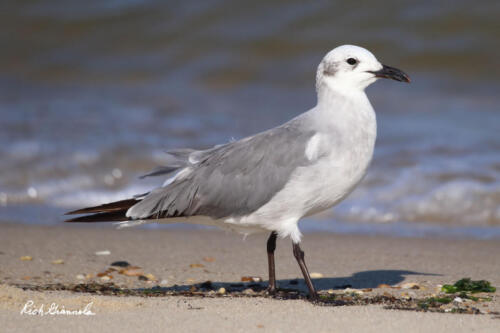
(299, 255)
(271, 246)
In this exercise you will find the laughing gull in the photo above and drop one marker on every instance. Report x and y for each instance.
(269, 181)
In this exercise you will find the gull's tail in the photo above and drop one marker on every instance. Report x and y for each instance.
(111, 212)
(116, 211)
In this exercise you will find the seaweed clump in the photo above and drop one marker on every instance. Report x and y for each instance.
(468, 285)
(433, 302)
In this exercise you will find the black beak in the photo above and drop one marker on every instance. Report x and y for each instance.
(391, 73)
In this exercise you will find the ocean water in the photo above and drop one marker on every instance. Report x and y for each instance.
(92, 93)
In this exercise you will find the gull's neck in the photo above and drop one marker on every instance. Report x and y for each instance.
(334, 97)
(340, 109)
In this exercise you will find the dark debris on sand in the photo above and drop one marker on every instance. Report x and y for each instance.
(208, 289)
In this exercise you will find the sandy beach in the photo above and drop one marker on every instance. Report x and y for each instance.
(179, 261)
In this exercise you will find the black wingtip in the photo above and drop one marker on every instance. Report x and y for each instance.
(72, 220)
(116, 216)
(106, 208)
(77, 219)
(75, 212)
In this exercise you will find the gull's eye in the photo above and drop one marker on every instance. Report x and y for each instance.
(352, 61)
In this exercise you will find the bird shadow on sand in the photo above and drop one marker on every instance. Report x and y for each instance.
(366, 279)
(359, 280)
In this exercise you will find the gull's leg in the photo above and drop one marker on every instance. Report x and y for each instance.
(299, 255)
(271, 246)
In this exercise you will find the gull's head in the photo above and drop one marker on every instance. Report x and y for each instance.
(353, 68)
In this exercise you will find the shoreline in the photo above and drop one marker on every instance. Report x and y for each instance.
(320, 224)
(185, 258)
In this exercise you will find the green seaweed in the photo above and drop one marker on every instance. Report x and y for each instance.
(468, 285)
(443, 300)
(463, 294)
(327, 297)
(433, 302)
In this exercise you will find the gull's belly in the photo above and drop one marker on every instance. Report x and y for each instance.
(333, 178)
(338, 170)
(316, 187)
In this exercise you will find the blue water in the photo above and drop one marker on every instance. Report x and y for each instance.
(92, 93)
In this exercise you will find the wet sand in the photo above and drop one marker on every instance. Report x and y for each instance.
(179, 260)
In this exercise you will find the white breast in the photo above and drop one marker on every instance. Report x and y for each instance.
(341, 152)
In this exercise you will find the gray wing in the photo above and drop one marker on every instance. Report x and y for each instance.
(234, 179)
(176, 159)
